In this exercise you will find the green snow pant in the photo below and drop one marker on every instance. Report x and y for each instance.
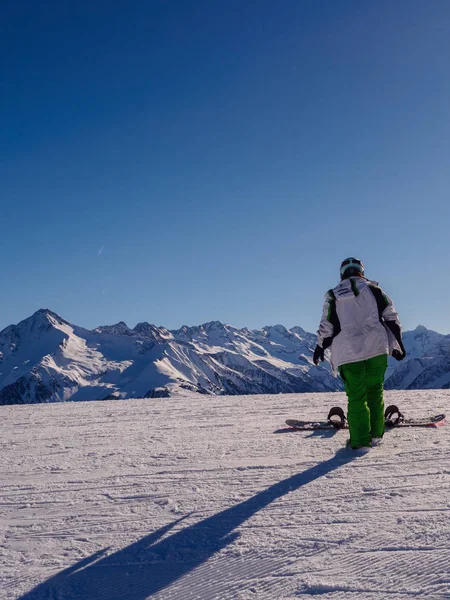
(364, 383)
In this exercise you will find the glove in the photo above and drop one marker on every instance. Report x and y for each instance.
(319, 353)
(398, 354)
(396, 330)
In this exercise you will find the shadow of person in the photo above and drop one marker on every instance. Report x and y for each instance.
(156, 561)
(324, 433)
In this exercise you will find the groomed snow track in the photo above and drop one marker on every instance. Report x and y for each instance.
(213, 498)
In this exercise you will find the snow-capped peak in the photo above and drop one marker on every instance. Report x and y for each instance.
(33, 327)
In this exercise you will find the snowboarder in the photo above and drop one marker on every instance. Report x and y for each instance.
(361, 325)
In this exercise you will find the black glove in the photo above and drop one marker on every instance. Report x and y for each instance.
(399, 354)
(396, 330)
(319, 353)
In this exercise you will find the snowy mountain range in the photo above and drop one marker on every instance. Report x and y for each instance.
(47, 359)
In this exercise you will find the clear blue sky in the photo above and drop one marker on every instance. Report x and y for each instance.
(181, 161)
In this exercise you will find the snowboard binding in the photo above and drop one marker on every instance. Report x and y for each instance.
(392, 416)
(337, 411)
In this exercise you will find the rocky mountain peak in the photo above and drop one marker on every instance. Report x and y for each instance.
(420, 329)
(44, 316)
(148, 330)
(214, 326)
(120, 328)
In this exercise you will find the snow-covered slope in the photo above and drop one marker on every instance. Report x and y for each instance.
(212, 499)
(46, 359)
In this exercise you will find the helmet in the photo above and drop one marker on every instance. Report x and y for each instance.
(351, 266)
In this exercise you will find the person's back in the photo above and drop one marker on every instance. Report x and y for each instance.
(362, 333)
(361, 325)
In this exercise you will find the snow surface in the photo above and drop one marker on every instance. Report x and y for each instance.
(211, 498)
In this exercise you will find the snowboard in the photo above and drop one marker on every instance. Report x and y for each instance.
(393, 418)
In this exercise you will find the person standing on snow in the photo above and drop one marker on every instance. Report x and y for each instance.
(361, 325)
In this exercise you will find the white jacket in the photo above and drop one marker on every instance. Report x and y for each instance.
(352, 321)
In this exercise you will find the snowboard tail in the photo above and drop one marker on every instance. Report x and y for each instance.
(394, 418)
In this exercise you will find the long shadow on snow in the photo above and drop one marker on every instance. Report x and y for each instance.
(312, 432)
(152, 564)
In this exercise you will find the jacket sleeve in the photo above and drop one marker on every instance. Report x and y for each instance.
(386, 308)
(389, 316)
(327, 328)
(389, 313)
